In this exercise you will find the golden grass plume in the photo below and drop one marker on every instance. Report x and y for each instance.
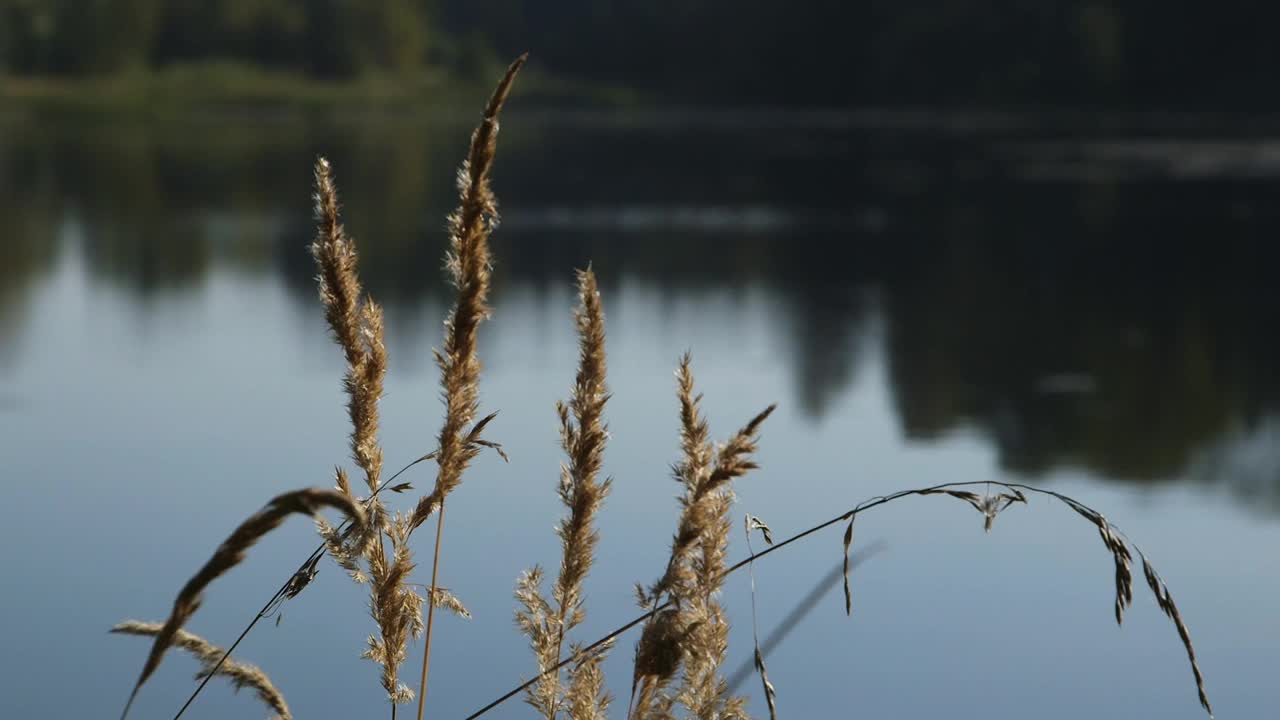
(214, 660)
(583, 434)
(394, 606)
(468, 263)
(356, 324)
(695, 571)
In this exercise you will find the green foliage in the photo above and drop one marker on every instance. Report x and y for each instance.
(325, 38)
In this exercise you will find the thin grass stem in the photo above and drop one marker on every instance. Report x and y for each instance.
(431, 612)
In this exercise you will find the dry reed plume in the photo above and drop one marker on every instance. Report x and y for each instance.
(468, 263)
(231, 553)
(383, 546)
(582, 435)
(214, 661)
(695, 635)
(356, 324)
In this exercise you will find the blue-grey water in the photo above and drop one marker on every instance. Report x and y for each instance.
(1092, 311)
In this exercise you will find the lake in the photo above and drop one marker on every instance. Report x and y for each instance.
(1085, 304)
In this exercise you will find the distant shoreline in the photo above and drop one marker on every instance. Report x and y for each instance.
(219, 89)
(229, 85)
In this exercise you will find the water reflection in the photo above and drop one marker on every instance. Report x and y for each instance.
(1123, 326)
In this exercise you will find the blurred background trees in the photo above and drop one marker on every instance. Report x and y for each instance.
(816, 52)
(322, 38)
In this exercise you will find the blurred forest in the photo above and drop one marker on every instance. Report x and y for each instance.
(1138, 54)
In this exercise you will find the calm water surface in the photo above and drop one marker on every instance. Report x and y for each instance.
(928, 302)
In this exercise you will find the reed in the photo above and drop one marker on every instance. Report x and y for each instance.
(380, 554)
(695, 635)
(546, 622)
(468, 263)
(678, 669)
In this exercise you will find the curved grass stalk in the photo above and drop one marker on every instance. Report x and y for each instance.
(1112, 537)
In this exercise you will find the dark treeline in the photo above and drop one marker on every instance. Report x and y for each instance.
(828, 52)
(1138, 54)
